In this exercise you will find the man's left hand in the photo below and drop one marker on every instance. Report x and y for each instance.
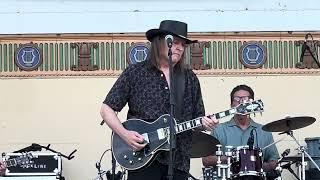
(209, 123)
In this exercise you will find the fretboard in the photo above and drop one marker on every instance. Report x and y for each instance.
(191, 124)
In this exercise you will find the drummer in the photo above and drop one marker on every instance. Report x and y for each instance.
(236, 132)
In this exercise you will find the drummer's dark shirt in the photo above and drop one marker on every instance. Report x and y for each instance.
(145, 89)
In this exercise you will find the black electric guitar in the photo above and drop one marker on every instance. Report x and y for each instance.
(23, 159)
(156, 135)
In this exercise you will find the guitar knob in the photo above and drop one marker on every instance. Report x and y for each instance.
(125, 157)
(131, 162)
(139, 159)
(134, 153)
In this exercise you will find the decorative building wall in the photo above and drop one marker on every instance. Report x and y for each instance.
(109, 54)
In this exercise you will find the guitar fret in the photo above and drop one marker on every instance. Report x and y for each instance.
(184, 126)
(180, 127)
(193, 123)
(221, 115)
(188, 125)
(232, 111)
(198, 122)
(227, 112)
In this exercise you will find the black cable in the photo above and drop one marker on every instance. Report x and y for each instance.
(98, 164)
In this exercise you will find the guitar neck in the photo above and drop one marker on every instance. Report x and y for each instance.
(194, 123)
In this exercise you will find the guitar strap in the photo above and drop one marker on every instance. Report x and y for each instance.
(179, 83)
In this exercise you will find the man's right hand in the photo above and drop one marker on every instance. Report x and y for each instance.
(134, 139)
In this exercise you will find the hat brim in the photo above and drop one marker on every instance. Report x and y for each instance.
(150, 34)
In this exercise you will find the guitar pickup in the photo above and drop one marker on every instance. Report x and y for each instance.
(161, 133)
(145, 138)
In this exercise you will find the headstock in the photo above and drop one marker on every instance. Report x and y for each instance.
(250, 107)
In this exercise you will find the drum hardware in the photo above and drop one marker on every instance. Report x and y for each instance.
(273, 143)
(229, 156)
(223, 170)
(210, 173)
(295, 159)
(247, 162)
(285, 126)
(219, 154)
(279, 171)
(241, 161)
(288, 167)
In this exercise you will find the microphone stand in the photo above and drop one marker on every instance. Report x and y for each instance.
(172, 139)
(304, 153)
(113, 169)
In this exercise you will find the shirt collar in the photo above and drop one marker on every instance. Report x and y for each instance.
(251, 123)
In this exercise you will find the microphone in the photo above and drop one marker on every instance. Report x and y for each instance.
(169, 40)
(251, 140)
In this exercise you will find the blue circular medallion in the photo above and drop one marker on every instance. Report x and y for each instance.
(138, 52)
(253, 55)
(28, 57)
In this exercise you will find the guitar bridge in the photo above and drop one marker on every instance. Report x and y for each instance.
(145, 138)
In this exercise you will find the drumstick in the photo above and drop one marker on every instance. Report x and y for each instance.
(273, 143)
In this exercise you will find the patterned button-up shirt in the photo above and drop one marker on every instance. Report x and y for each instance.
(145, 89)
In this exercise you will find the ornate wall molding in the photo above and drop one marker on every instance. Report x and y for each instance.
(94, 55)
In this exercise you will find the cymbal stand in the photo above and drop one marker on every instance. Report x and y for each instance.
(304, 153)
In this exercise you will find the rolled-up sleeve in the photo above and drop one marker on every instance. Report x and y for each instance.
(119, 93)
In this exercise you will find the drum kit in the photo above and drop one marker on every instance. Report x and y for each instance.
(245, 162)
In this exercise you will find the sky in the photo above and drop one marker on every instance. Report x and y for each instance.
(128, 16)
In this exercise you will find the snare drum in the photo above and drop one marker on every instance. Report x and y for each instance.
(247, 162)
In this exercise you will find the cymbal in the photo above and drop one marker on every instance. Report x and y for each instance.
(288, 124)
(298, 158)
(203, 144)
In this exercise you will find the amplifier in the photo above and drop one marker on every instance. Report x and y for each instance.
(30, 178)
(41, 164)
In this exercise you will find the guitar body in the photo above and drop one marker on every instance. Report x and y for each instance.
(155, 133)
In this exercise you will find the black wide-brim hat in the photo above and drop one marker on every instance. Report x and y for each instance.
(175, 28)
